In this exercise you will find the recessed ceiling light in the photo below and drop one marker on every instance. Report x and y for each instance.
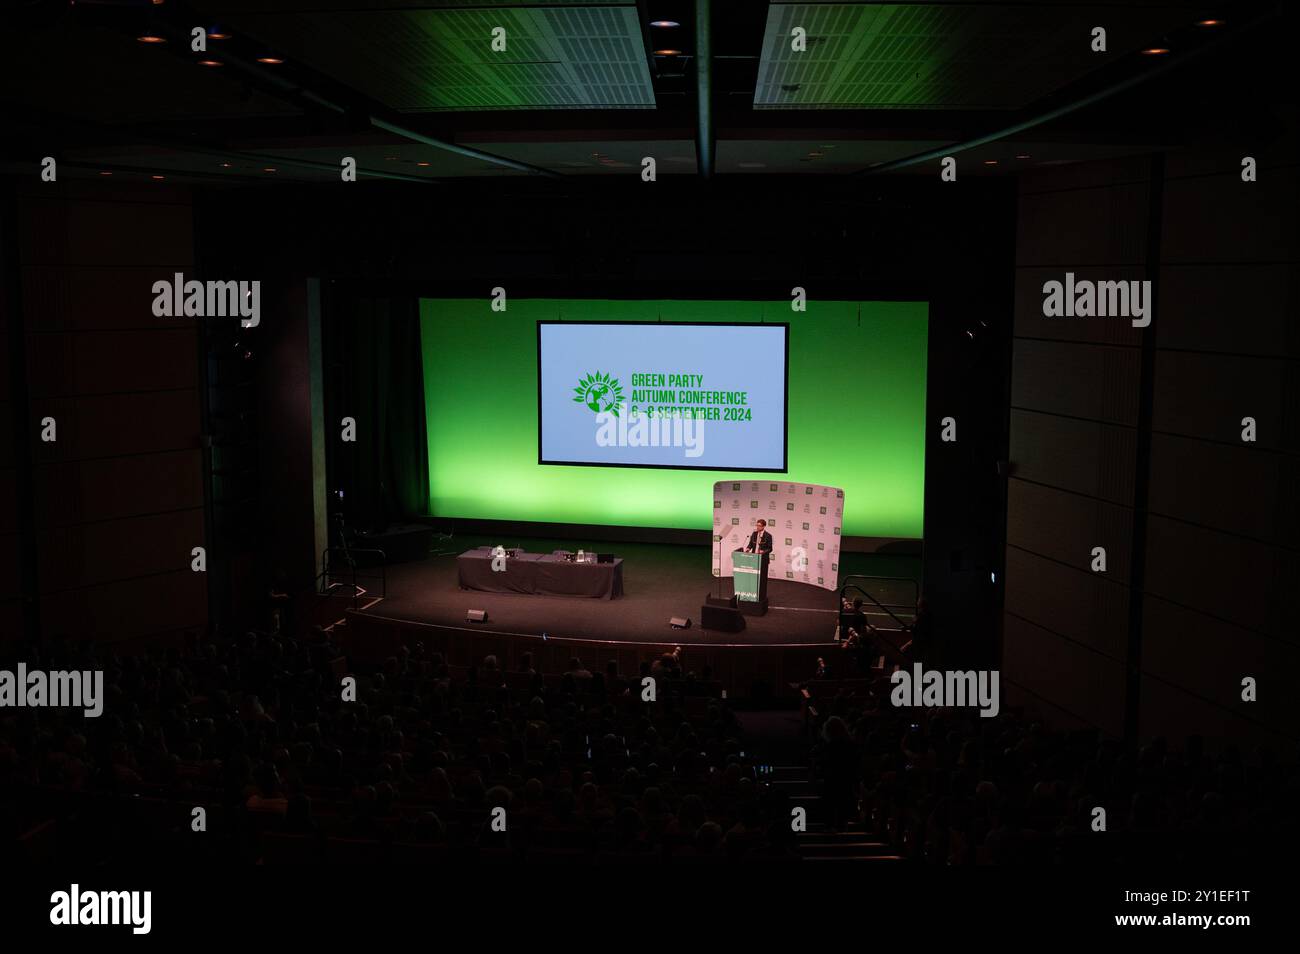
(218, 34)
(209, 62)
(157, 177)
(272, 60)
(1155, 51)
(990, 162)
(664, 23)
(269, 169)
(225, 165)
(1024, 155)
(668, 52)
(422, 163)
(1209, 23)
(106, 173)
(151, 38)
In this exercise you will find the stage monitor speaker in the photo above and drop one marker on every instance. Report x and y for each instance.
(679, 622)
(725, 619)
(476, 616)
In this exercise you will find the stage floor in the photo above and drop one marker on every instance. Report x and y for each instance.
(659, 581)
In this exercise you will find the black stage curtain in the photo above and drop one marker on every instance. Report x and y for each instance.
(376, 375)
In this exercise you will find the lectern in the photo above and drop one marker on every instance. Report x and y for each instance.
(749, 577)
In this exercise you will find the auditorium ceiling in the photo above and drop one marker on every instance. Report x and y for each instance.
(414, 90)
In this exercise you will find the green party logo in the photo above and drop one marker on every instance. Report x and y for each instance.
(599, 392)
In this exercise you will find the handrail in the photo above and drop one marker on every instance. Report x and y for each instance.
(327, 571)
(850, 584)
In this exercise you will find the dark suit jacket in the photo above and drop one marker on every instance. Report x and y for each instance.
(765, 544)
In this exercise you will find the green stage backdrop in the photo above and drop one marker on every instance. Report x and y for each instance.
(856, 415)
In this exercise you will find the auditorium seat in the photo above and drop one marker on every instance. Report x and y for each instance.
(366, 802)
(278, 848)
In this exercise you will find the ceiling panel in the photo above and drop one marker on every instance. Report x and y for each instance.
(556, 57)
(98, 73)
(941, 56)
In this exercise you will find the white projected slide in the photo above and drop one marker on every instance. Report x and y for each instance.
(659, 394)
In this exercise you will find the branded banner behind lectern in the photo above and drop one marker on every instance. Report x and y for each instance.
(804, 519)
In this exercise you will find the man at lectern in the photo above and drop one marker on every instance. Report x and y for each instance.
(760, 541)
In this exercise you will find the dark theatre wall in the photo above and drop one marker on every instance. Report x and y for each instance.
(12, 395)
(1140, 451)
(116, 504)
(119, 499)
(380, 244)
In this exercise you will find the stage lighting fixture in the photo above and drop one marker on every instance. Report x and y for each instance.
(680, 622)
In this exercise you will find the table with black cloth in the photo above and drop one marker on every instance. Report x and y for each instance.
(544, 574)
